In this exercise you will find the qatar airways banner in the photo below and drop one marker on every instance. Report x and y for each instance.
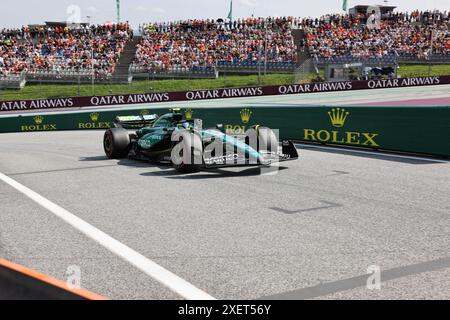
(150, 98)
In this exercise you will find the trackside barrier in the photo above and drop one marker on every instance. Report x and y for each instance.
(424, 130)
(20, 283)
(155, 97)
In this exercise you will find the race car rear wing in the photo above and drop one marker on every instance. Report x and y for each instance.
(135, 122)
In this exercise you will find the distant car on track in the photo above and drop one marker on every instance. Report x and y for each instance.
(184, 143)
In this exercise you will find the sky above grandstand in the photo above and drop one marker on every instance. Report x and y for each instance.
(15, 13)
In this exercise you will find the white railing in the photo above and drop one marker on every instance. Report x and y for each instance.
(13, 81)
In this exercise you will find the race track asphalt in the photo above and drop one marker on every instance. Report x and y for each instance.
(308, 230)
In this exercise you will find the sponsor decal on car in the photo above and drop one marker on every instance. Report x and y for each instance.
(150, 140)
(222, 160)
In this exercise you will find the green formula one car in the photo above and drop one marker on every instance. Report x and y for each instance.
(188, 147)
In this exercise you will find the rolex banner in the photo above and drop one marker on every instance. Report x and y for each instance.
(421, 130)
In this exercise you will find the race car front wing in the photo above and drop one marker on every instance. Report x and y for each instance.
(288, 152)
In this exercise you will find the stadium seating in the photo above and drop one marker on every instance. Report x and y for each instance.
(208, 43)
(401, 34)
(60, 51)
(202, 48)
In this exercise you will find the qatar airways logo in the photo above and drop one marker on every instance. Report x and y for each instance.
(405, 82)
(225, 93)
(131, 99)
(315, 87)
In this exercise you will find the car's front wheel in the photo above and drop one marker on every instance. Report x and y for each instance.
(116, 143)
(267, 140)
(187, 154)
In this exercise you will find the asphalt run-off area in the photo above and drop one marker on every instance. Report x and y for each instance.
(309, 229)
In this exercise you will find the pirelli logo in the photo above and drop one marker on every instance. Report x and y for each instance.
(338, 118)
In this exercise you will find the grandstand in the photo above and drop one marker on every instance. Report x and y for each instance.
(57, 51)
(233, 46)
(112, 53)
(408, 35)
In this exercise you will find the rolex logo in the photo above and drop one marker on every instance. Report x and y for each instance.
(189, 113)
(338, 117)
(38, 125)
(94, 116)
(145, 113)
(38, 120)
(246, 114)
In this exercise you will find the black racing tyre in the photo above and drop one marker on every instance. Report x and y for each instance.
(116, 143)
(188, 142)
(267, 139)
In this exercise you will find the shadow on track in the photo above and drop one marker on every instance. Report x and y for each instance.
(122, 162)
(214, 173)
(97, 158)
(167, 171)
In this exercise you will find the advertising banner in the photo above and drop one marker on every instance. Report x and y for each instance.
(408, 129)
(151, 98)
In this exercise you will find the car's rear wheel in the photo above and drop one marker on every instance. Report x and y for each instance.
(116, 143)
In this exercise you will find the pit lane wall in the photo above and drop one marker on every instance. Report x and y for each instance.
(423, 130)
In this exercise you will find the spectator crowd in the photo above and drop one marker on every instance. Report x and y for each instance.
(62, 48)
(203, 43)
(415, 34)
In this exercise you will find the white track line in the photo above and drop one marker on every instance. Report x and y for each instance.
(373, 153)
(165, 277)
